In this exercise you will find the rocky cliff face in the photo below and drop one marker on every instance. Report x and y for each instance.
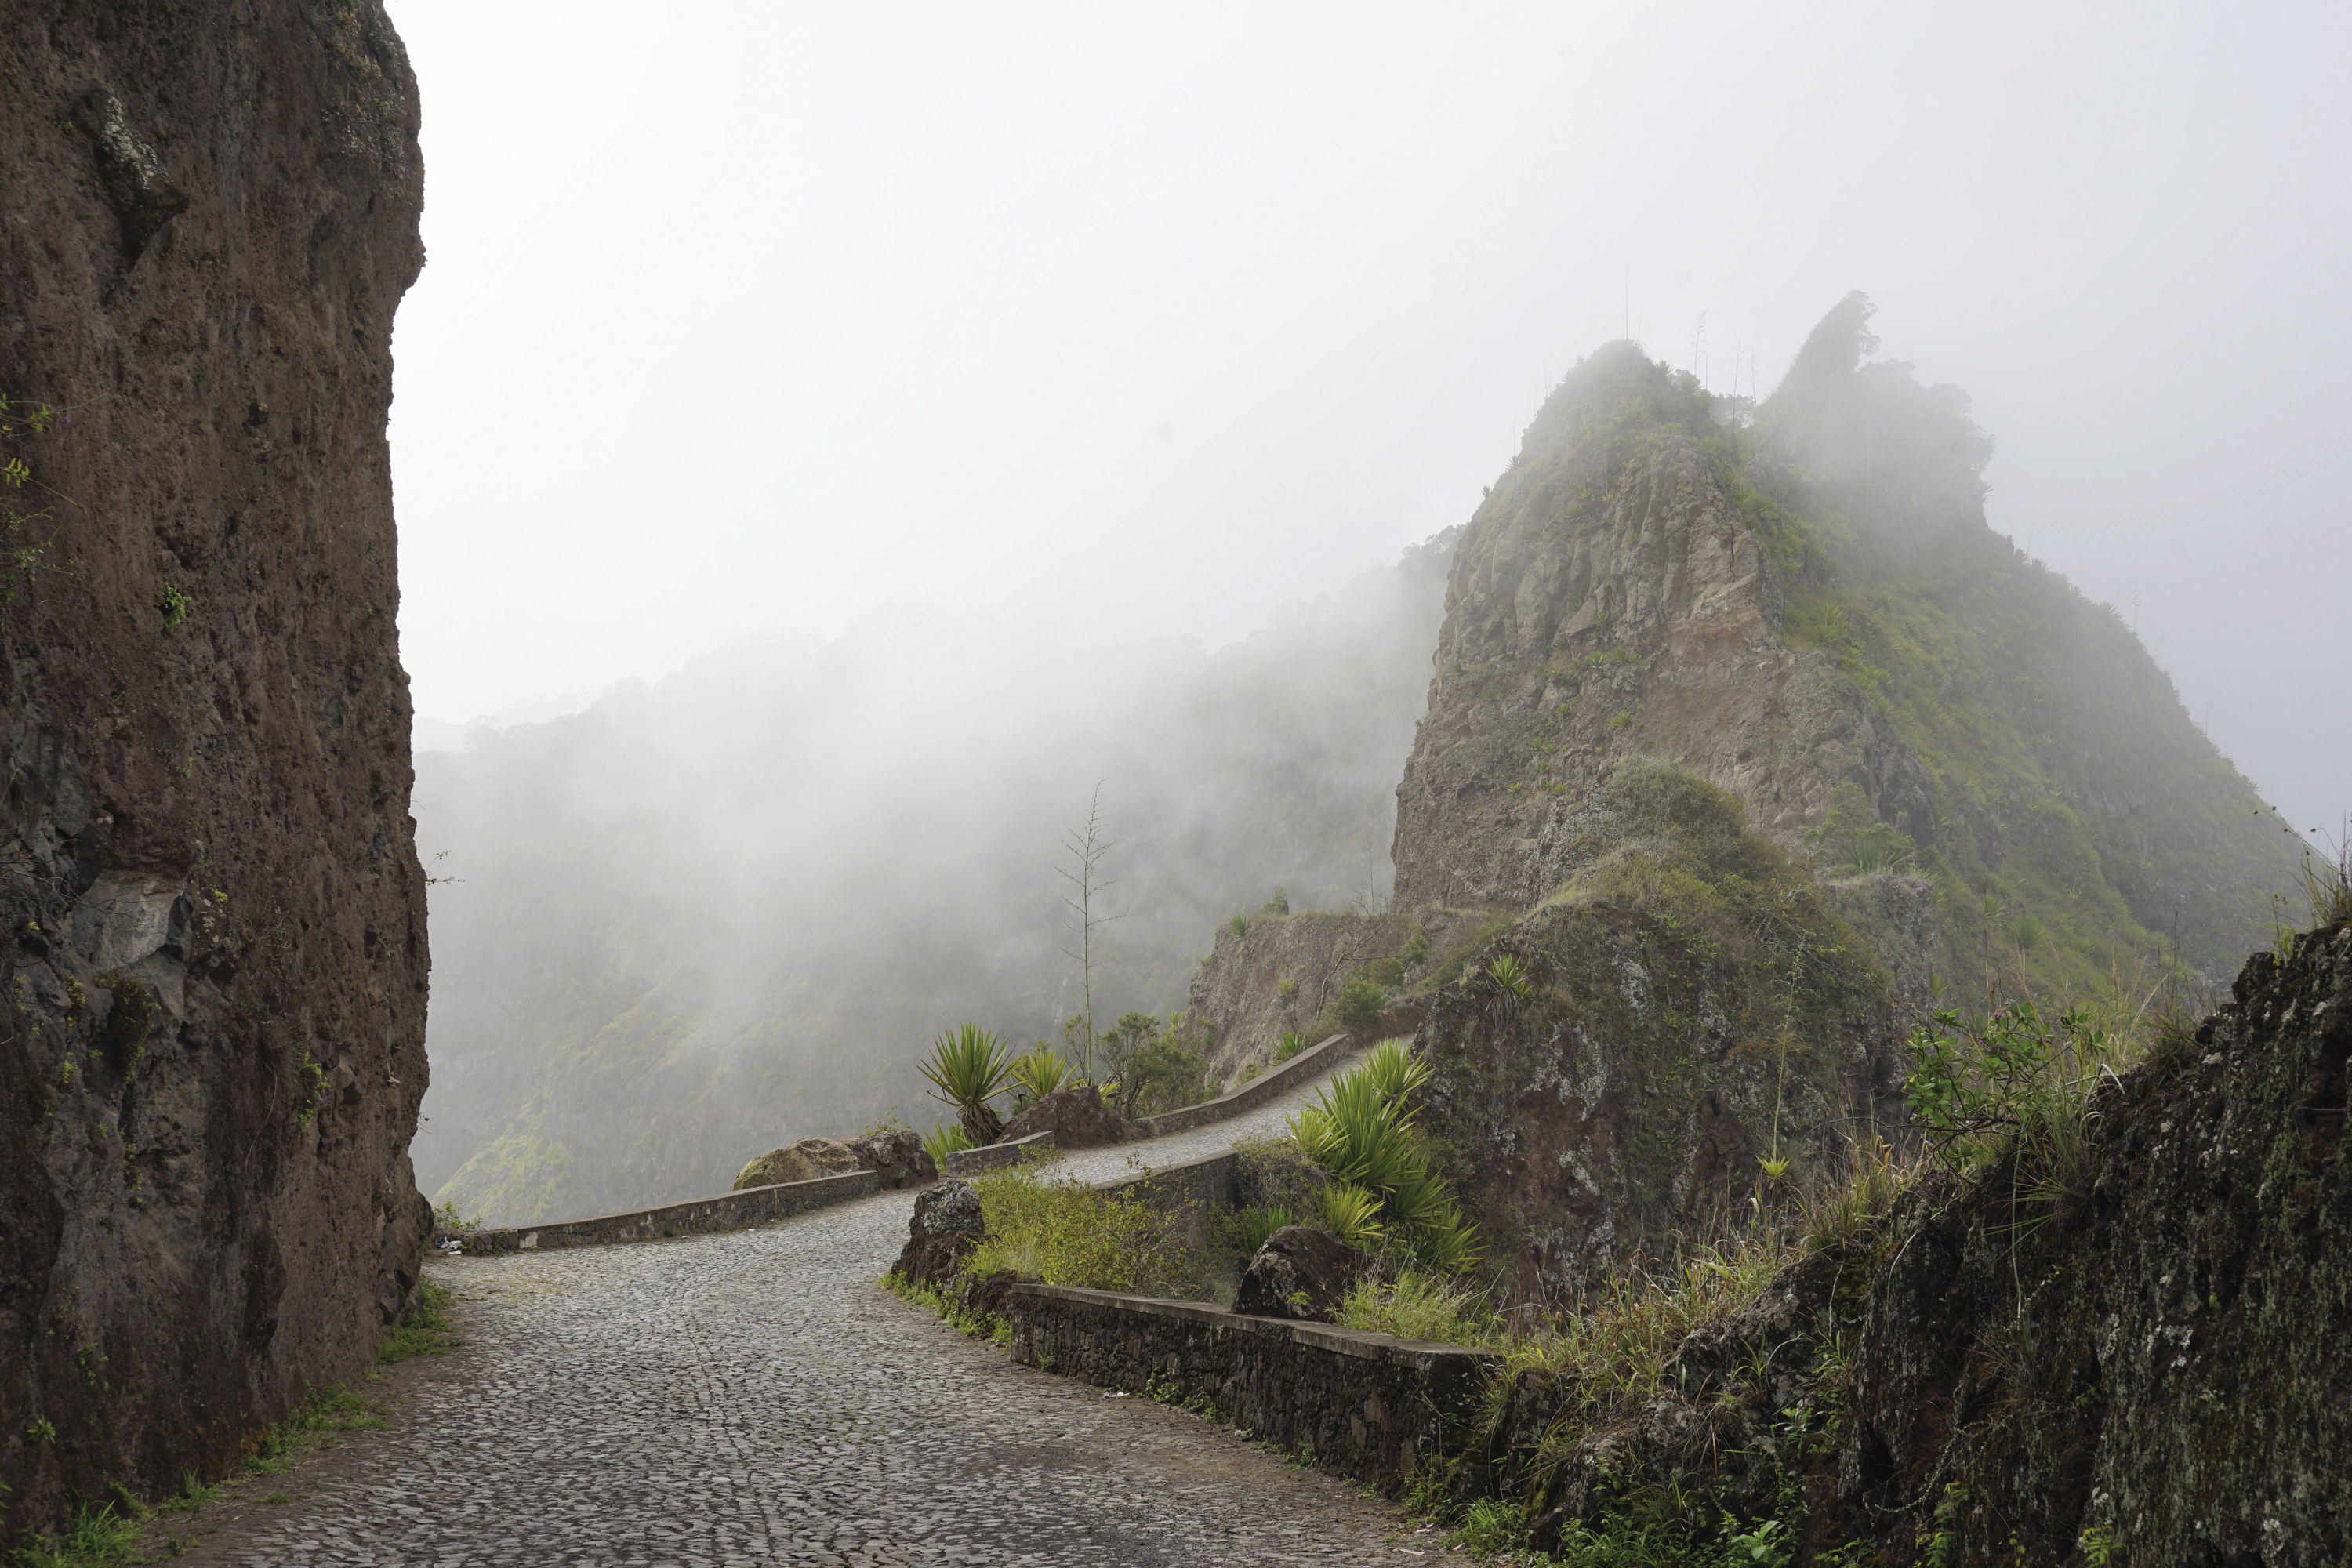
(214, 939)
(2121, 1342)
(1612, 598)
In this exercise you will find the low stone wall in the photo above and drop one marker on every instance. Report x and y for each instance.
(1207, 1184)
(1367, 1406)
(1314, 1059)
(733, 1211)
(994, 1156)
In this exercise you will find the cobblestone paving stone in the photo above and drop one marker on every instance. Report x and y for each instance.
(755, 1399)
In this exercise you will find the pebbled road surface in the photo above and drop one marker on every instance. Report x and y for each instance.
(755, 1399)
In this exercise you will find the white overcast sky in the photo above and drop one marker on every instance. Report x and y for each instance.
(739, 319)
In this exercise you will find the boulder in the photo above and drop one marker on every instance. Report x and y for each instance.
(897, 1158)
(802, 1162)
(945, 1226)
(1299, 1273)
(1077, 1117)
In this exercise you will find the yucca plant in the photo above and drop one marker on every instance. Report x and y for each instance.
(969, 1066)
(1364, 1137)
(1351, 1214)
(1291, 1043)
(1041, 1071)
(1396, 1072)
(1509, 974)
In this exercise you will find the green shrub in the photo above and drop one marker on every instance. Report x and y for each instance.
(1059, 1231)
(1418, 1305)
(1155, 1066)
(1244, 1230)
(1361, 1001)
(1291, 1043)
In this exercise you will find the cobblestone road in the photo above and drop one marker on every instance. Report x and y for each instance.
(755, 1399)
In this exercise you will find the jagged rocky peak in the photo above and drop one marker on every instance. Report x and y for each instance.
(1621, 592)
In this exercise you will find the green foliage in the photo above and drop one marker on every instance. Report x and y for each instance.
(95, 1538)
(174, 607)
(1507, 972)
(1243, 1231)
(1851, 839)
(314, 1079)
(427, 1330)
(1416, 949)
(969, 1065)
(1155, 1066)
(1239, 925)
(1350, 1214)
(1041, 1071)
(1060, 1231)
(1360, 1002)
(1422, 1306)
(1396, 1073)
(446, 1218)
(943, 1141)
(1291, 1043)
(1365, 1139)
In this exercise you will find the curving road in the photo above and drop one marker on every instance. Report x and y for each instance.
(755, 1399)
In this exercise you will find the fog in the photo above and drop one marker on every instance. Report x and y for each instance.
(730, 909)
(943, 343)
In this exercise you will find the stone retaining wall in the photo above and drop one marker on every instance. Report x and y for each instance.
(734, 1210)
(992, 1156)
(1314, 1059)
(1367, 1406)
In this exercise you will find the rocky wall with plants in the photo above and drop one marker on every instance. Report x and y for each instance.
(2110, 1332)
(1688, 1027)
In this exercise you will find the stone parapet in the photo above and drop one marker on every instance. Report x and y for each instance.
(731, 1211)
(1316, 1058)
(1367, 1406)
(994, 1156)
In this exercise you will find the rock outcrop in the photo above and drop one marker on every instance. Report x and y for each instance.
(945, 1226)
(1299, 1273)
(802, 1162)
(1077, 1117)
(215, 916)
(897, 1157)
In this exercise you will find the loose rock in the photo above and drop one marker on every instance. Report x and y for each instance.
(1077, 1117)
(1299, 1273)
(802, 1162)
(946, 1228)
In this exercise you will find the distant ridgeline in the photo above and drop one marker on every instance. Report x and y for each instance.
(712, 916)
(1747, 739)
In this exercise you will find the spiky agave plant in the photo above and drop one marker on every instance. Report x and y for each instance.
(1364, 1137)
(969, 1066)
(1351, 1214)
(1041, 1071)
(1396, 1072)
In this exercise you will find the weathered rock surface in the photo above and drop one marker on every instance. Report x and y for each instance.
(802, 1162)
(897, 1157)
(1611, 597)
(1299, 1273)
(946, 1228)
(214, 914)
(1077, 1117)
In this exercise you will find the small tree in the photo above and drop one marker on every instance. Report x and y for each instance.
(1085, 847)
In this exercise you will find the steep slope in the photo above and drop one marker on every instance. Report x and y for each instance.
(1748, 737)
(708, 916)
(216, 918)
